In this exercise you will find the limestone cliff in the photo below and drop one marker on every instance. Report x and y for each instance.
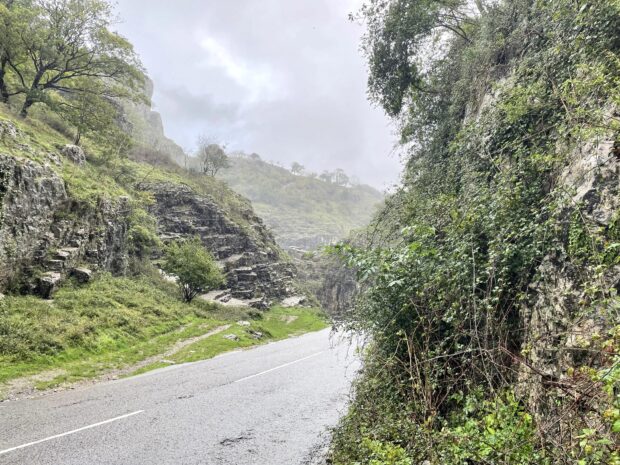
(64, 212)
(254, 265)
(45, 234)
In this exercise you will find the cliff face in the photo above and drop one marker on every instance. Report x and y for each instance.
(45, 234)
(563, 312)
(338, 290)
(254, 265)
(63, 215)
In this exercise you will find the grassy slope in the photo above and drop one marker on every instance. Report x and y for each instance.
(300, 208)
(115, 178)
(114, 323)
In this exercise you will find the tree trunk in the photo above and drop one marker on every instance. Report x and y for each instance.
(27, 104)
(480, 6)
(4, 91)
(34, 88)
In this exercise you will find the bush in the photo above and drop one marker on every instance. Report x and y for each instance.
(194, 267)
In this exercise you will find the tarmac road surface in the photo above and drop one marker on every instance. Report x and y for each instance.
(271, 405)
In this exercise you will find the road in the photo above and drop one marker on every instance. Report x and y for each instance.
(267, 406)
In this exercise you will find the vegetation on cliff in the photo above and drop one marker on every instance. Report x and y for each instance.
(493, 273)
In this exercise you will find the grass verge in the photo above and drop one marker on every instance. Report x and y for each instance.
(113, 324)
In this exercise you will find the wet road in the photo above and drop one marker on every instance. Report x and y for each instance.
(267, 406)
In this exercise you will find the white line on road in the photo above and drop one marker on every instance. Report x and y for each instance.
(70, 432)
(278, 367)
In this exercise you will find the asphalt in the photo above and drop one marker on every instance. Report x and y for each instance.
(271, 405)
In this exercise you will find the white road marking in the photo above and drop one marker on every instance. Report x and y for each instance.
(278, 367)
(56, 436)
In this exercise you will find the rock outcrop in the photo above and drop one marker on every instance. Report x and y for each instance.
(255, 268)
(45, 234)
(553, 316)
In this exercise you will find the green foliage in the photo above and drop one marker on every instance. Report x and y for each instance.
(379, 453)
(380, 426)
(194, 267)
(398, 32)
(492, 119)
(64, 48)
(302, 211)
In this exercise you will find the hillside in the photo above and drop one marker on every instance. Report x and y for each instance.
(93, 206)
(302, 211)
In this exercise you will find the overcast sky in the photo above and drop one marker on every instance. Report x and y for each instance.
(282, 78)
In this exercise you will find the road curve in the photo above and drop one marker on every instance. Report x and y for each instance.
(267, 406)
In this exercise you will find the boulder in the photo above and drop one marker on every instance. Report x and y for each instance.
(8, 129)
(231, 337)
(82, 275)
(294, 301)
(48, 284)
(255, 334)
(74, 153)
(54, 158)
(259, 304)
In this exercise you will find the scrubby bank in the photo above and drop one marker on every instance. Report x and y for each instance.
(491, 294)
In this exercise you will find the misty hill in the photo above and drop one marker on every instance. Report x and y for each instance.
(302, 210)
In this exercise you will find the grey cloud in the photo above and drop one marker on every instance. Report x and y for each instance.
(279, 77)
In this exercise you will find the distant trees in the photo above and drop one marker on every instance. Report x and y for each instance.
(195, 268)
(63, 48)
(212, 157)
(326, 176)
(338, 177)
(297, 169)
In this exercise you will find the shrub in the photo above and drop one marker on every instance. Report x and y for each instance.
(194, 267)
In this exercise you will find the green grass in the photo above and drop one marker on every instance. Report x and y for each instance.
(276, 324)
(115, 323)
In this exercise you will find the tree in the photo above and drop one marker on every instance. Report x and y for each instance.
(195, 268)
(398, 33)
(66, 43)
(326, 176)
(94, 112)
(9, 43)
(212, 157)
(340, 178)
(297, 169)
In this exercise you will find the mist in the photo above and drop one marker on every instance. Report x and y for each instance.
(283, 79)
